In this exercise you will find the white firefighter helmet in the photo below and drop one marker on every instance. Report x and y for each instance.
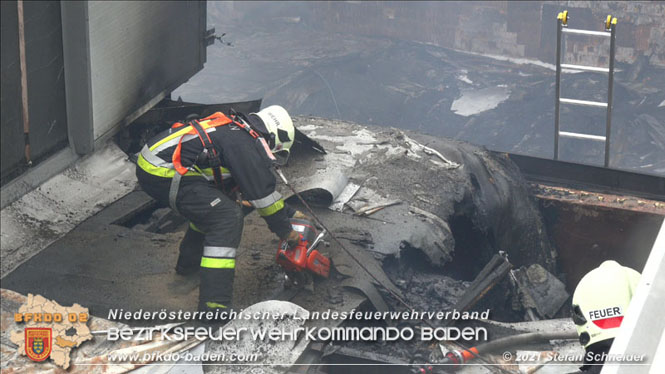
(281, 132)
(601, 300)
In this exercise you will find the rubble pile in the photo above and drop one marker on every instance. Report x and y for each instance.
(435, 214)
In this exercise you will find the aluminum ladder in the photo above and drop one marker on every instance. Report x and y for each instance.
(610, 31)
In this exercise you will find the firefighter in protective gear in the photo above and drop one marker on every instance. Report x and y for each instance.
(600, 302)
(202, 169)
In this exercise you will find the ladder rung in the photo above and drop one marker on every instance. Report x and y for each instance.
(585, 68)
(583, 102)
(585, 32)
(581, 136)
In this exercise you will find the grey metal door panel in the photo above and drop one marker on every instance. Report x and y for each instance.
(12, 128)
(46, 81)
(45, 85)
(117, 59)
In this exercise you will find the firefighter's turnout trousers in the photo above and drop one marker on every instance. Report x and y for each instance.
(214, 233)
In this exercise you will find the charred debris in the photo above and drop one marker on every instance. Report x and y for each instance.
(443, 224)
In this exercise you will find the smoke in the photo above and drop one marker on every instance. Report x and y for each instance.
(405, 64)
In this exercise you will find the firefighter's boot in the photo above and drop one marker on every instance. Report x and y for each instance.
(191, 250)
(216, 291)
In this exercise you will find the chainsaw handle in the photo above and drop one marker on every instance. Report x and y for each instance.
(316, 241)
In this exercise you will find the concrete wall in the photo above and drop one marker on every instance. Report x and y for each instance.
(509, 28)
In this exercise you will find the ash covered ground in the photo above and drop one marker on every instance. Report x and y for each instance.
(504, 104)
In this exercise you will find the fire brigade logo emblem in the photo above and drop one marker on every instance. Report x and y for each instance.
(38, 343)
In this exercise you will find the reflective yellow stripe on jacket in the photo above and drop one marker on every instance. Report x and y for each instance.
(169, 173)
(159, 171)
(164, 169)
(269, 205)
(271, 209)
(180, 133)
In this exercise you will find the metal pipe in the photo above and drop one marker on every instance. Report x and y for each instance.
(527, 338)
(24, 81)
(559, 26)
(586, 32)
(459, 357)
(610, 84)
(583, 102)
(585, 68)
(582, 136)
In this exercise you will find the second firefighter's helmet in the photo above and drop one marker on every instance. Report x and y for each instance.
(280, 131)
(601, 300)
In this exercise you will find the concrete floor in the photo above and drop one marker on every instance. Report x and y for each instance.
(103, 265)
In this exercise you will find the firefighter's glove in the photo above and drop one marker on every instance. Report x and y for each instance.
(300, 215)
(293, 239)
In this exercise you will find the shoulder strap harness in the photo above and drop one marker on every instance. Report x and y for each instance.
(215, 120)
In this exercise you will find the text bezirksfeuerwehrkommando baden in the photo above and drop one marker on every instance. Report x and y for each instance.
(284, 333)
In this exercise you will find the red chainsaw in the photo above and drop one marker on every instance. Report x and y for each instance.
(303, 258)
